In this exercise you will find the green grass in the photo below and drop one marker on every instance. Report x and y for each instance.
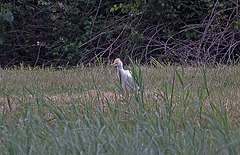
(178, 110)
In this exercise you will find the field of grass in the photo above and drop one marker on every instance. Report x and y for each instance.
(178, 110)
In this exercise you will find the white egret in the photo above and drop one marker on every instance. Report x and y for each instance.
(126, 76)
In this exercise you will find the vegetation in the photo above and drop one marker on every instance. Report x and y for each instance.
(83, 110)
(51, 103)
(77, 32)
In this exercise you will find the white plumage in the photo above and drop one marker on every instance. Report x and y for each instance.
(126, 76)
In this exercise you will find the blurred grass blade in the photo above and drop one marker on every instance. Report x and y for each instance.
(179, 77)
(205, 80)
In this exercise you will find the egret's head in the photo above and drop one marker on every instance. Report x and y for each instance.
(117, 63)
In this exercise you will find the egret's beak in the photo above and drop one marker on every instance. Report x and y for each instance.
(113, 64)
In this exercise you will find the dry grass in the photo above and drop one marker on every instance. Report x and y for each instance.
(61, 86)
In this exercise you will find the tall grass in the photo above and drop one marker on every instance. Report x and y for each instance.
(85, 111)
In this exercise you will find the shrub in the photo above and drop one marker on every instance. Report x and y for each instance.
(74, 32)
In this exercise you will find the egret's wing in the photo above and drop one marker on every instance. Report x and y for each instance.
(130, 81)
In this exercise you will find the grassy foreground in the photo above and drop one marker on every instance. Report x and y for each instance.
(178, 110)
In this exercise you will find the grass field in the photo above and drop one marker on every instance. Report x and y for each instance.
(178, 110)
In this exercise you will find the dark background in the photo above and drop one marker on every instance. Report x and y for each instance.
(72, 32)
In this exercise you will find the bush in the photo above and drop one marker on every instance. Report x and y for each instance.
(76, 32)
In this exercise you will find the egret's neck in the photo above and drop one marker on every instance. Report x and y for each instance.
(120, 69)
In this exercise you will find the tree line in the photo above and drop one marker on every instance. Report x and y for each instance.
(72, 32)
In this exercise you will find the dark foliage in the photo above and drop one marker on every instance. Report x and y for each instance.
(77, 32)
